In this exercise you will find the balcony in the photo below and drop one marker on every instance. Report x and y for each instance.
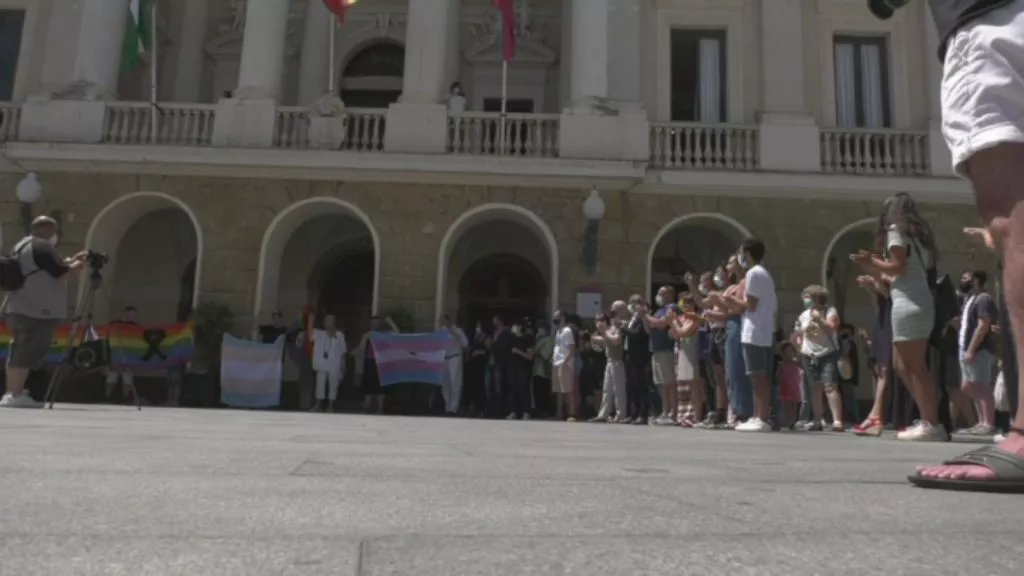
(526, 135)
(875, 152)
(176, 124)
(363, 129)
(690, 146)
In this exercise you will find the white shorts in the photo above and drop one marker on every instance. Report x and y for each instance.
(983, 84)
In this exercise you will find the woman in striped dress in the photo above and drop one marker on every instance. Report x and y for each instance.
(909, 251)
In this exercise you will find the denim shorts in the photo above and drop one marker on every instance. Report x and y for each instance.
(822, 369)
(758, 359)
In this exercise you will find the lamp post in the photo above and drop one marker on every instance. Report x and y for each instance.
(29, 192)
(593, 211)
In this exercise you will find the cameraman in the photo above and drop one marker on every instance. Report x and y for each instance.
(34, 311)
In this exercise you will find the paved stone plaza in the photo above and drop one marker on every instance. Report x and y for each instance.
(108, 490)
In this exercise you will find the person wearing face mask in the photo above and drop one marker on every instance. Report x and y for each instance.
(689, 393)
(476, 371)
(741, 402)
(977, 350)
(712, 336)
(35, 309)
(638, 362)
(663, 369)
(815, 335)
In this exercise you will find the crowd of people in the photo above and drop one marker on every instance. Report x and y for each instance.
(713, 356)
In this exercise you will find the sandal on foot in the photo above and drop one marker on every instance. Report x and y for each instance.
(869, 427)
(1009, 469)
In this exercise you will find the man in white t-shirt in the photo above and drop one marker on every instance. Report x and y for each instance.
(757, 334)
(329, 351)
(451, 386)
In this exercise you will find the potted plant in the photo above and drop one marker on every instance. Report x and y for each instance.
(327, 123)
(212, 320)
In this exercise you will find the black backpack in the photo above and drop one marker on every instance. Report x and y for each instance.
(12, 278)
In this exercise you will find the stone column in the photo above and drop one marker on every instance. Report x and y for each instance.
(266, 28)
(249, 118)
(939, 156)
(453, 59)
(316, 53)
(188, 77)
(81, 68)
(565, 57)
(418, 122)
(589, 76)
(594, 126)
(789, 137)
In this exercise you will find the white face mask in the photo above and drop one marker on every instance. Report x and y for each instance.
(719, 282)
(659, 301)
(52, 240)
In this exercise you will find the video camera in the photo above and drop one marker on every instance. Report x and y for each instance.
(96, 260)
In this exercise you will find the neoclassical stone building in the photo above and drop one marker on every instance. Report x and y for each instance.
(695, 126)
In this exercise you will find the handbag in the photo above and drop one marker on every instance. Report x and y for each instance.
(1002, 398)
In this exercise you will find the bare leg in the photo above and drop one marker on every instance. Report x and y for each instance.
(998, 178)
(881, 393)
(835, 404)
(817, 403)
(16, 378)
(961, 403)
(984, 400)
(721, 389)
(909, 361)
(762, 395)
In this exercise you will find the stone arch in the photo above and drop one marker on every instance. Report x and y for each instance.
(117, 219)
(489, 213)
(720, 223)
(841, 292)
(281, 230)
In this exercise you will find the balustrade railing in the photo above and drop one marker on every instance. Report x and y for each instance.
(176, 124)
(526, 135)
(10, 117)
(362, 131)
(875, 152)
(686, 145)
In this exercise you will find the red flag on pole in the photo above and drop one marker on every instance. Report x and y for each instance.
(339, 8)
(507, 8)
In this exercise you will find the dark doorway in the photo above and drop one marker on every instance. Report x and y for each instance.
(370, 98)
(188, 286)
(512, 105)
(347, 292)
(501, 284)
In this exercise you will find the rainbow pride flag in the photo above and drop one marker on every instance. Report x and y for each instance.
(57, 345)
(151, 347)
(131, 346)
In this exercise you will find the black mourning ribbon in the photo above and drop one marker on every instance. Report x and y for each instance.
(154, 337)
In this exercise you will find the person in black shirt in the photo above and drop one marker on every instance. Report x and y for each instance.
(638, 363)
(501, 353)
(520, 370)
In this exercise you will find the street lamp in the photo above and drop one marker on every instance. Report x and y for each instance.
(29, 192)
(593, 212)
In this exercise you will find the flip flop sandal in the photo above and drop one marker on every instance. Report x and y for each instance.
(1009, 470)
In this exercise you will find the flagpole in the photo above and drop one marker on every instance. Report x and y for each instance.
(155, 108)
(330, 57)
(504, 101)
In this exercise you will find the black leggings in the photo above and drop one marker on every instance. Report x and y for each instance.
(638, 383)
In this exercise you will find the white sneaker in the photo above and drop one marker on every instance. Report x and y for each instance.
(526, 416)
(923, 431)
(22, 401)
(511, 416)
(754, 425)
(999, 438)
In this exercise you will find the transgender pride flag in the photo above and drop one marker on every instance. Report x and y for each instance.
(410, 357)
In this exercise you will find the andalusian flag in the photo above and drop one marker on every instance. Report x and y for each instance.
(138, 33)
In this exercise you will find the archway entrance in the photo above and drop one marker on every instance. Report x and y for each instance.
(839, 274)
(321, 251)
(497, 259)
(373, 76)
(155, 247)
(501, 284)
(693, 243)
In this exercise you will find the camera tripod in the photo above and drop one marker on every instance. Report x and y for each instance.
(73, 356)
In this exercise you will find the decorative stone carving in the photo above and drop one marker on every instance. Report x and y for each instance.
(230, 34)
